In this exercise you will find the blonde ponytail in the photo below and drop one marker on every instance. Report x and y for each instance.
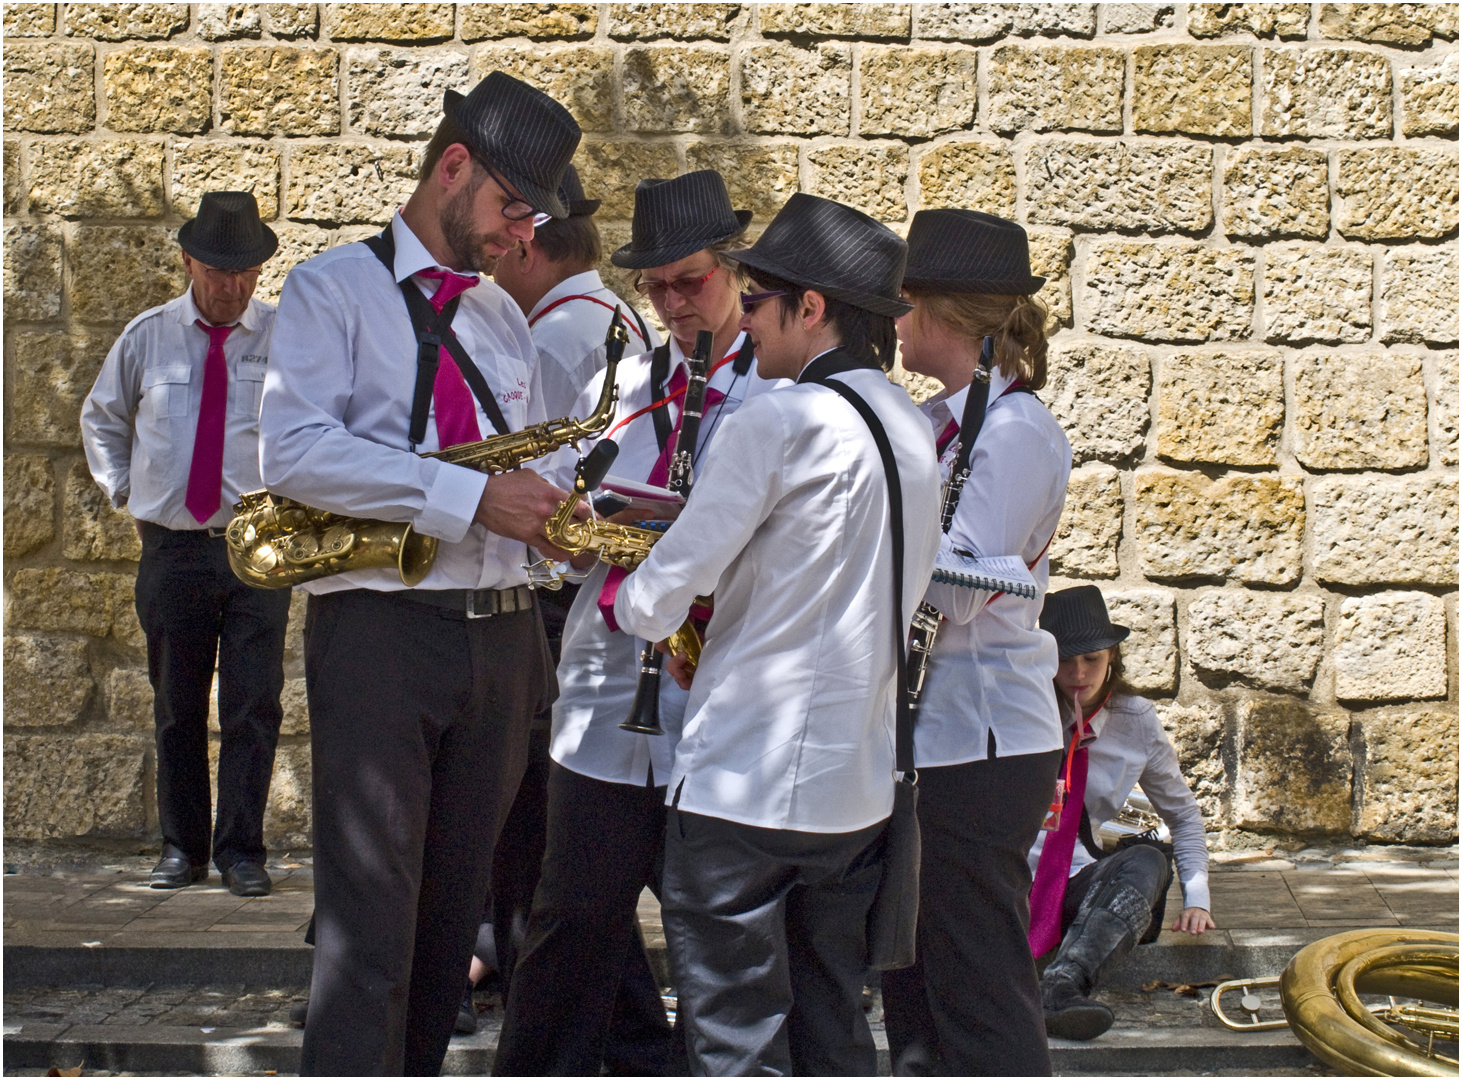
(1016, 322)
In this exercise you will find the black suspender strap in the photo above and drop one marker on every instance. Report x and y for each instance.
(644, 330)
(659, 372)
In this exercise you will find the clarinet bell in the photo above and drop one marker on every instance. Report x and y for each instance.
(644, 714)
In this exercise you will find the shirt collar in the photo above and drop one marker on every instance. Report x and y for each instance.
(1094, 726)
(678, 358)
(585, 284)
(944, 406)
(188, 313)
(412, 256)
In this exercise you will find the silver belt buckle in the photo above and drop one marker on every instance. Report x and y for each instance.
(472, 612)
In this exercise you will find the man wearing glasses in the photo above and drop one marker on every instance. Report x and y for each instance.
(420, 698)
(171, 430)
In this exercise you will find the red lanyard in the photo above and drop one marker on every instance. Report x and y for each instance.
(593, 299)
(1076, 736)
(668, 398)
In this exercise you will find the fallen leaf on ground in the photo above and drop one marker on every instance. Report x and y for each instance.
(53, 1071)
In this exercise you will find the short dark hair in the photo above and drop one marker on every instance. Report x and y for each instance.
(573, 240)
(447, 133)
(866, 335)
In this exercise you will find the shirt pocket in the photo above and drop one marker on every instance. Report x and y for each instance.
(247, 390)
(166, 391)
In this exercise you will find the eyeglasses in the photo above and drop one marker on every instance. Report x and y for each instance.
(220, 276)
(686, 286)
(749, 300)
(515, 209)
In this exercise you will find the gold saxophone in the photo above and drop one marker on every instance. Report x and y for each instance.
(275, 542)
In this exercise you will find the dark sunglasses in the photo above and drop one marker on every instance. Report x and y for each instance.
(686, 286)
(749, 300)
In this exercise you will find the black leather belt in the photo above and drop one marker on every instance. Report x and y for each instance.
(471, 603)
(213, 532)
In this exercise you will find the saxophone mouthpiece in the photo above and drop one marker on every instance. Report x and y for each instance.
(594, 466)
(616, 337)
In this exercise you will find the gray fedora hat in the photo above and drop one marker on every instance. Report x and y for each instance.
(967, 251)
(227, 233)
(1078, 620)
(676, 218)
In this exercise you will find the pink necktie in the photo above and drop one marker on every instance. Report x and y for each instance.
(1053, 870)
(456, 412)
(205, 475)
(946, 437)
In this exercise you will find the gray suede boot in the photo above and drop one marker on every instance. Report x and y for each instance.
(1111, 919)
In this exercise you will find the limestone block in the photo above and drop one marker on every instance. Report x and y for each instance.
(481, 21)
(1359, 411)
(158, 88)
(785, 89)
(295, 704)
(578, 77)
(287, 814)
(677, 88)
(91, 529)
(987, 22)
(1376, 530)
(129, 699)
(1410, 776)
(74, 785)
(52, 375)
(1295, 768)
(343, 184)
(15, 195)
(1391, 646)
(1396, 193)
(969, 174)
(1273, 640)
(278, 90)
(1195, 89)
(398, 92)
(920, 388)
(64, 601)
(1389, 24)
(1313, 292)
(1168, 292)
(296, 244)
(1138, 18)
(916, 92)
(32, 259)
(119, 178)
(612, 167)
(49, 87)
(1221, 407)
(1098, 393)
(1150, 654)
(869, 176)
(119, 22)
(1197, 734)
(1419, 295)
(47, 681)
(30, 503)
(291, 20)
(145, 257)
(1051, 253)
(1261, 20)
(1444, 407)
(126, 629)
(1091, 524)
(227, 22)
(1324, 93)
(29, 20)
(417, 23)
(235, 165)
(713, 22)
(294, 631)
(1429, 98)
(1151, 187)
(1276, 192)
(1246, 528)
(760, 177)
(865, 21)
(1055, 88)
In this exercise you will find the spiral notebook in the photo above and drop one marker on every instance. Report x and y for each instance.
(993, 573)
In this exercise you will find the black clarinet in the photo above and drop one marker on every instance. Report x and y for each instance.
(644, 714)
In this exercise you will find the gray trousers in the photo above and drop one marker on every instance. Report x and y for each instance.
(768, 952)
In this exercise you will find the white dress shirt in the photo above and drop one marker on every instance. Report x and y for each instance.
(569, 336)
(140, 419)
(1131, 749)
(337, 410)
(790, 722)
(599, 668)
(992, 665)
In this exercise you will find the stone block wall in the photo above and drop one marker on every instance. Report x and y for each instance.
(1247, 214)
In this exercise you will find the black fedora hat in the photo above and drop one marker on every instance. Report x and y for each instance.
(522, 132)
(676, 218)
(227, 233)
(834, 249)
(1077, 618)
(571, 194)
(967, 251)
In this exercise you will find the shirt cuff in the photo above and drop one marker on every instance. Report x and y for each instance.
(451, 503)
(1195, 891)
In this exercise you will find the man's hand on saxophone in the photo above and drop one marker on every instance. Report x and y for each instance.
(517, 505)
(677, 664)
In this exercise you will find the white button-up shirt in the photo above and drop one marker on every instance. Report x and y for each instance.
(337, 410)
(790, 722)
(992, 665)
(140, 420)
(569, 336)
(599, 668)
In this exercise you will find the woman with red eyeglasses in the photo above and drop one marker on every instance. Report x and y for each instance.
(606, 794)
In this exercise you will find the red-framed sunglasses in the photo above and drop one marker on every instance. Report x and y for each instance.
(686, 286)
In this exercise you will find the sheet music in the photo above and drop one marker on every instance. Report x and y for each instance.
(992, 573)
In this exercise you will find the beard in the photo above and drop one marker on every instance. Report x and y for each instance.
(466, 243)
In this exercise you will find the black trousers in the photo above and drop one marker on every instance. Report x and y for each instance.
(195, 612)
(582, 994)
(419, 731)
(971, 1004)
(767, 931)
(1143, 867)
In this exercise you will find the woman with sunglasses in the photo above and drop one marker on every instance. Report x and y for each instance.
(606, 794)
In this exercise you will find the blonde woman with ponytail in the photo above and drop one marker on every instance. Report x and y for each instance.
(987, 742)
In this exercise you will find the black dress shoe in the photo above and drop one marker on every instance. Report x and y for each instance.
(466, 1022)
(174, 871)
(247, 878)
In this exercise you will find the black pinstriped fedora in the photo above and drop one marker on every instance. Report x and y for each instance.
(676, 218)
(571, 194)
(967, 251)
(1078, 620)
(838, 251)
(227, 233)
(522, 132)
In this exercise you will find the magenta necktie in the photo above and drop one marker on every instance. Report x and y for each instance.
(946, 437)
(205, 475)
(1053, 871)
(456, 412)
